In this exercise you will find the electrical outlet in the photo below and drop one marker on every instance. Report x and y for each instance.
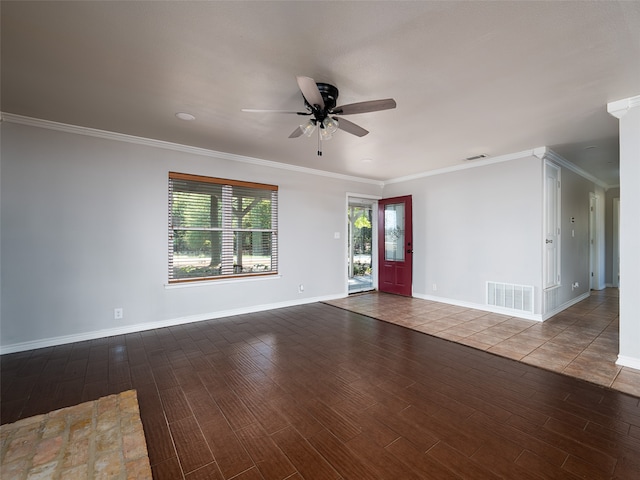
(434, 287)
(300, 288)
(118, 313)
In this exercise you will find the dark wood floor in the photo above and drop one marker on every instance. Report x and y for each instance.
(316, 392)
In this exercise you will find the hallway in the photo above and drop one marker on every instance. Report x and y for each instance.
(581, 341)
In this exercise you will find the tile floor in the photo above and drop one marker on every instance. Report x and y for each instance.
(581, 341)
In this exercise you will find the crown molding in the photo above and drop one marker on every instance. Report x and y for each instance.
(620, 107)
(549, 154)
(121, 137)
(465, 166)
(540, 152)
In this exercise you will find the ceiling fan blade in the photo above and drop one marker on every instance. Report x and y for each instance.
(310, 91)
(352, 128)
(365, 107)
(257, 110)
(296, 133)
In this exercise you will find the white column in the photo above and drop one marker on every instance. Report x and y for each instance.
(628, 112)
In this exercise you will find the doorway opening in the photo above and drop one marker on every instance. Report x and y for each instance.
(615, 280)
(360, 265)
(594, 264)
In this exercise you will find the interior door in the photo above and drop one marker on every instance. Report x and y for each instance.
(395, 245)
(552, 226)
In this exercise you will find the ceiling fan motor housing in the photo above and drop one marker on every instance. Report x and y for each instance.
(329, 96)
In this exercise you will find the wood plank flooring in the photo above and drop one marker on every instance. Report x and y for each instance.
(581, 341)
(317, 392)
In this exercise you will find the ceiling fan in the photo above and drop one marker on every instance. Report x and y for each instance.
(320, 104)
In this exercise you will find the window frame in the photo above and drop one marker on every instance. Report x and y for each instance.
(226, 228)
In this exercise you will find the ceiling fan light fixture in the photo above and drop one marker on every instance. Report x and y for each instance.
(308, 128)
(325, 134)
(330, 125)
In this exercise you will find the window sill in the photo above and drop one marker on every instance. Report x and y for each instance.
(205, 283)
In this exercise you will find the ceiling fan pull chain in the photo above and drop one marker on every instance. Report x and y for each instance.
(319, 144)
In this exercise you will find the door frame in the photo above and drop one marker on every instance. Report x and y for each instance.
(374, 237)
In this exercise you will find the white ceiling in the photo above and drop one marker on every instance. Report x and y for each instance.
(468, 77)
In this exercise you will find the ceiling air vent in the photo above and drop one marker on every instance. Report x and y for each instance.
(477, 157)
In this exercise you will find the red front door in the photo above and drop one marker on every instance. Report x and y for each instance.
(395, 250)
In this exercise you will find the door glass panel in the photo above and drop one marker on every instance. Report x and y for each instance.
(394, 232)
(360, 217)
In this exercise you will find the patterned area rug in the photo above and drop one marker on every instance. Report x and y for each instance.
(99, 439)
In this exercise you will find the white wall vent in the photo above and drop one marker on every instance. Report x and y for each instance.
(510, 296)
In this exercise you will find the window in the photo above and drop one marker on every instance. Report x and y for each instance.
(221, 228)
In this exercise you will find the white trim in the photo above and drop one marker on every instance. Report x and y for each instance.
(479, 306)
(140, 327)
(121, 137)
(630, 362)
(620, 107)
(504, 311)
(466, 166)
(554, 157)
(364, 195)
(221, 281)
(564, 306)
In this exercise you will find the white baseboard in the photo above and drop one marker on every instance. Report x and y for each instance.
(630, 362)
(566, 305)
(140, 327)
(481, 306)
(504, 311)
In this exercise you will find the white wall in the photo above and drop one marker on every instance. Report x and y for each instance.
(629, 115)
(84, 230)
(476, 225)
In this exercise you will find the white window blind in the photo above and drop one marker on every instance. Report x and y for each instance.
(221, 228)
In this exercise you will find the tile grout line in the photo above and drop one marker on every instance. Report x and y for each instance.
(576, 316)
